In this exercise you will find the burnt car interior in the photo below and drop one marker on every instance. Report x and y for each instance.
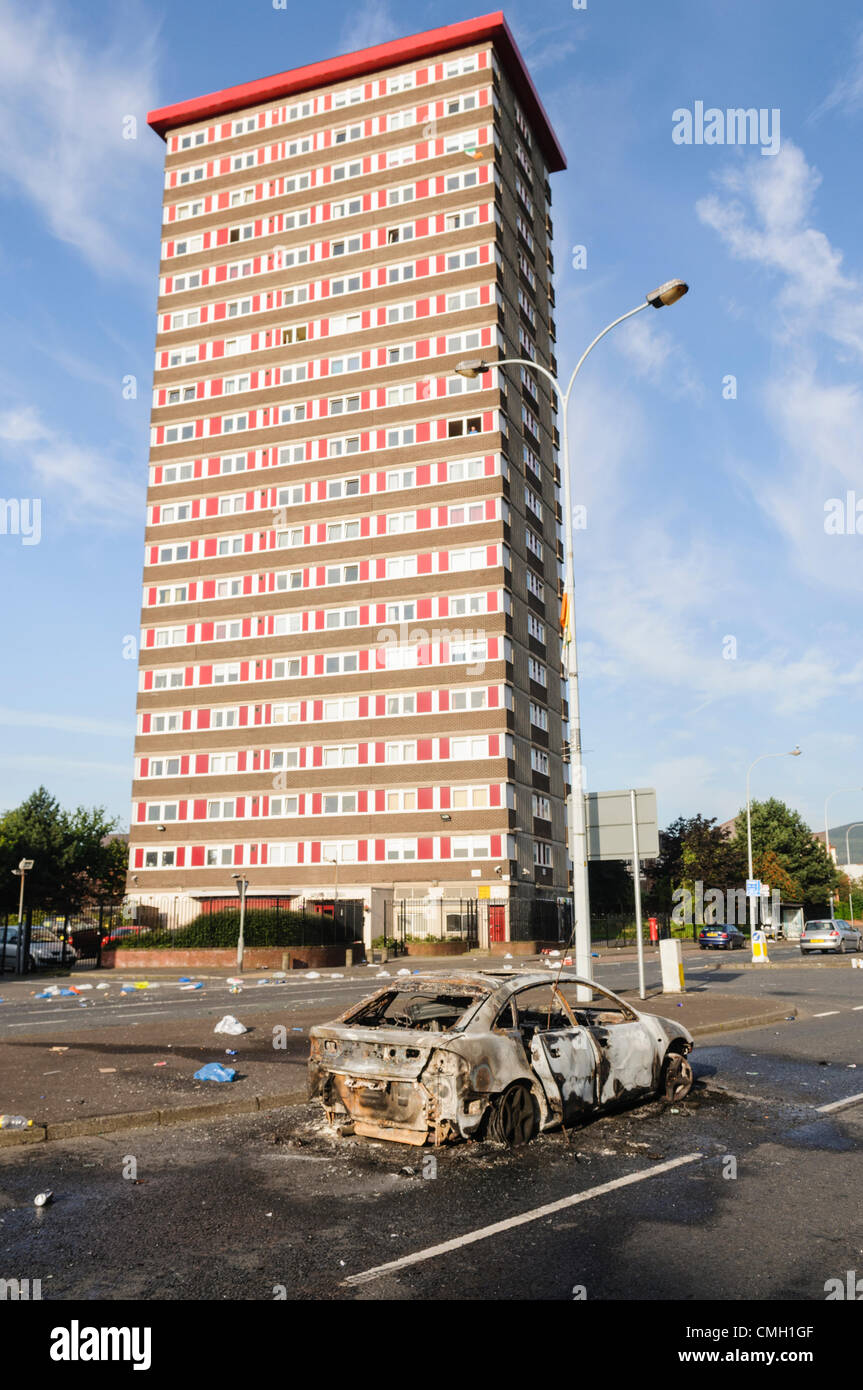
(427, 1013)
(549, 1008)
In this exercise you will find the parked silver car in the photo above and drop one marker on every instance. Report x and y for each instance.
(46, 948)
(826, 935)
(490, 1055)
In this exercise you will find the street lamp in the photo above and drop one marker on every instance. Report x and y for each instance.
(851, 827)
(827, 799)
(242, 884)
(666, 294)
(24, 867)
(794, 753)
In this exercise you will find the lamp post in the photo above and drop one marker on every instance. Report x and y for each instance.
(666, 294)
(242, 884)
(24, 867)
(851, 827)
(794, 753)
(839, 792)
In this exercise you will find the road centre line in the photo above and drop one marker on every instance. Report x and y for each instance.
(827, 1014)
(470, 1237)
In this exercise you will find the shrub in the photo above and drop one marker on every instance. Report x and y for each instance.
(263, 927)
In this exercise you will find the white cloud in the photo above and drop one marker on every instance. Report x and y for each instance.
(87, 485)
(370, 23)
(62, 106)
(814, 316)
(847, 94)
(765, 216)
(63, 723)
(655, 356)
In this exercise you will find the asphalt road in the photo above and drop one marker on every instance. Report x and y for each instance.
(750, 1189)
(22, 1015)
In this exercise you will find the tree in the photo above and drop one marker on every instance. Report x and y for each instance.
(72, 860)
(610, 886)
(778, 830)
(694, 849)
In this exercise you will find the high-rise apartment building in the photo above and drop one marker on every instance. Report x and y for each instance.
(350, 646)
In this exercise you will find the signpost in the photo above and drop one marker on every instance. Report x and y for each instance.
(623, 825)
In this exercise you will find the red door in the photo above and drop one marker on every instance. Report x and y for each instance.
(496, 922)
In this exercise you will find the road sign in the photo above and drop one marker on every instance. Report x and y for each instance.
(609, 824)
(753, 888)
(765, 890)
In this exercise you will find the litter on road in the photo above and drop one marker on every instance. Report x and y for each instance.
(42, 1199)
(231, 1025)
(214, 1071)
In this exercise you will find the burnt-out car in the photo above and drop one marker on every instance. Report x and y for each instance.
(490, 1055)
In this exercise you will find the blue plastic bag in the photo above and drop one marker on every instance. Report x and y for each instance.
(214, 1071)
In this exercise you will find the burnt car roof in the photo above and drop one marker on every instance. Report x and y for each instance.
(484, 981)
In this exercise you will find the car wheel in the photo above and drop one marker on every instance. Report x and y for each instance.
(513, 1118)
(677, 1078)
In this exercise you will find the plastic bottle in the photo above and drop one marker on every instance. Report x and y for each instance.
(14, 1122)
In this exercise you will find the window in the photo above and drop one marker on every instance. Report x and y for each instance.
(538, 716)
(541, 807)
(539, 761)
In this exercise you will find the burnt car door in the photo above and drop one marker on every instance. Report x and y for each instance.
(629, 1059)
(562, 1052)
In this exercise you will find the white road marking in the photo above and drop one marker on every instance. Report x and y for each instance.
(856, 1008)
(828, 1014)
(43, 1023)
(433, 1251)
(838, 1104)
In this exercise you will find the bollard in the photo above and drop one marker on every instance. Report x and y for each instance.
(759, 949)
(671, 964)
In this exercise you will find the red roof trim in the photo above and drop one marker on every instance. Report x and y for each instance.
(368, 60)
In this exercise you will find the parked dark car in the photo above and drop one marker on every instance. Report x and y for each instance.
(721, 936)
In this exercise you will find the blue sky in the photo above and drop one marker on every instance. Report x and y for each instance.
(705, 515)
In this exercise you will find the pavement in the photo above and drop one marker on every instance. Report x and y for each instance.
(122, 1061)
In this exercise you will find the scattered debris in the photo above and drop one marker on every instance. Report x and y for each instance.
(403, 971)
(195, 986)
(14, 1122)
(313, 975)
(105, 1070)
(160, 1064)
(214, 1071)
(42, 1199)
(231, 1025)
